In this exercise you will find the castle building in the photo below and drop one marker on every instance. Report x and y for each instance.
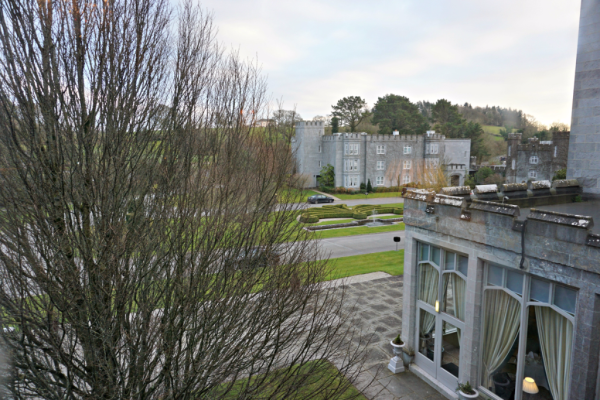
(386, 160)
(537, 161)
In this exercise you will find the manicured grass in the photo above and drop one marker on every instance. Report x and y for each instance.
(370, 196)
(491, 129)
(361, 230)
(391, 262)
(385, 217)
(310, 381)
(332, 222)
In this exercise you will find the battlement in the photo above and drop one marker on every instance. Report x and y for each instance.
(318, 124)
(535, 146)
(515, 136)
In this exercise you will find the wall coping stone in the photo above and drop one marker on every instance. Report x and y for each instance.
(496, 208)
(565, 183)
(456, 190)
(534, 185)
(486, 189)
(513, 187)
(573, 220)
(450, 201)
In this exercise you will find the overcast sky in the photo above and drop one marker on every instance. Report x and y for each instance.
(512, 53)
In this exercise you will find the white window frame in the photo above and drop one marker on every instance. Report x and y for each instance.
(351, 181)
(534, 160)
(406, 179)
(532, 174)
(351, 149)
(514, 164)
(381, 149)
(509, 146)
(406, 164)
(379, 181)
(407, 149)
(555, 150)
(380, 165)
(320, 149)
(432, 148)
(319, 164)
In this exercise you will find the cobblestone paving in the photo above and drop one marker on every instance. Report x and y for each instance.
(378, 305)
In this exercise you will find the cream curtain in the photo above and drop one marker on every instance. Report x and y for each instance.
(556, 339)
(459, 285)
(428, 292)
(500, 330)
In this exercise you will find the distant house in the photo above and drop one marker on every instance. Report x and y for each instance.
(264, 122)
(537, 161)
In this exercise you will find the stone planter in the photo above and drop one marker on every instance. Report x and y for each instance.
(464, 396)
(396, 365)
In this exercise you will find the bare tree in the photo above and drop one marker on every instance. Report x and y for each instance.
(140, 252)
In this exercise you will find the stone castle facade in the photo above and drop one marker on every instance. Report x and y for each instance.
(386, 160)
(536, 161)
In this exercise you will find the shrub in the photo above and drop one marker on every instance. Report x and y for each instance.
(307, 218)
(398, 211)
(359, 215)
(369, 186)
(560, 174)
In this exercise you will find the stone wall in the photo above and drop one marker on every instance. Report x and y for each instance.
(584, 149)
(551, 157)
(558, 247)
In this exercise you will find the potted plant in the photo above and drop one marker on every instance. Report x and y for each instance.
(396, 364)
(466, 391)
(407, 355)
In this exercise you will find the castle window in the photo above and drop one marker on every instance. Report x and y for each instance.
(319, 164)
(407, 164)
(351, 149)
(555, 150)
(380, 165)
(407, 149)
(406, 178)
(514, 164)
(350, 165)
(509, 150)
(432, 148)
(381, 149)
(379, 180)
(351, 181)
(533, 160)
(533, 174)
(319, 148)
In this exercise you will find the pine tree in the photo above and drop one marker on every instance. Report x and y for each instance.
(369, 186)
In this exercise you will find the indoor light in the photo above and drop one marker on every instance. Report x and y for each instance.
(437, 308)
(529, 386)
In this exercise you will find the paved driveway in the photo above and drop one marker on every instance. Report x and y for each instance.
(360, 244)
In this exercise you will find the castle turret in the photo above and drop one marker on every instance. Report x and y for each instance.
(514, 139)
(584, 149)
(307, 146)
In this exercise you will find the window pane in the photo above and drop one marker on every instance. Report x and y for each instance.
(494, 276)
(454, 294)
(450, 260)
(540, 290)
(463, 265)
(427, 334)
(435, 255)
(514, 281)
(450, 348)
(423, 252)
(428, 283)
(565, 298)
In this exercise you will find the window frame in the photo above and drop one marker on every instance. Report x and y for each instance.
(380, 165)
(532, 174)
(525, 301)
(377, 179)
(407, 149)
(534, 160)
(406, 163)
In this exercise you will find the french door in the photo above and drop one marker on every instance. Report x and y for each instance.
(441, 290)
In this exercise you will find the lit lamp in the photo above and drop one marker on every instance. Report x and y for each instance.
(437, 308)
(529, 386)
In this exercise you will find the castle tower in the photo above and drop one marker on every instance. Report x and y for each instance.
(584, 146)
(308, 147)
(514, 140)
(560, 150)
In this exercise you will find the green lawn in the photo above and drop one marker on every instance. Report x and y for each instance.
(391, 262)
(332, 222)
(361, 230)
(309, 378)
(385, 217)
(370, 196)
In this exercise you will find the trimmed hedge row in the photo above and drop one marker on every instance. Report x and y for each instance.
(313, 215)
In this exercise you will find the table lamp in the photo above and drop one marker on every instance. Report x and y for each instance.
(529, 386)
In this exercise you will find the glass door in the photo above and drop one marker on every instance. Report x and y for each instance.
(441, 307)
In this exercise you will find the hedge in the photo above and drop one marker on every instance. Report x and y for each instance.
(308, 219)
(359, 216)
(342, 211)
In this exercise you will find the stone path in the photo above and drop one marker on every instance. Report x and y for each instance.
(378, 304)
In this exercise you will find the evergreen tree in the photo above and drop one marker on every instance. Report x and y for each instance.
(335, 125)
(393, 112)
(369, 186)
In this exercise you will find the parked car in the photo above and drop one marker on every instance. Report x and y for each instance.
(320, 198)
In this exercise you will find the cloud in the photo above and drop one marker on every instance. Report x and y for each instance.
(511, 53)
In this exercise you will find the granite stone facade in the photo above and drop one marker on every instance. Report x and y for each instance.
(584, 149)
(554, 247)
(386, 160)
(536, 160)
